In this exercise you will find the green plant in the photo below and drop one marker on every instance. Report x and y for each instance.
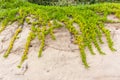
(88, 18)
(69, 2)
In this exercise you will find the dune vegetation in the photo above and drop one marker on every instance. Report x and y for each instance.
(45, 19)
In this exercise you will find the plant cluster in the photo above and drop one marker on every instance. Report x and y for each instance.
(69, 2)
(88, 17)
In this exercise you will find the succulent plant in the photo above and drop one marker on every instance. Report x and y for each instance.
(88, 17)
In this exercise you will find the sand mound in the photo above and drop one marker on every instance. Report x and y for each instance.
(60, 59)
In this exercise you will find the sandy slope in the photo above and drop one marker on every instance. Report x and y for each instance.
(60, 59)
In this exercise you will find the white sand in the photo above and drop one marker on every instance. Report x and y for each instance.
(60, 59)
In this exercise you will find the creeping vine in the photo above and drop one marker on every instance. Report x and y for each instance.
(45, 19)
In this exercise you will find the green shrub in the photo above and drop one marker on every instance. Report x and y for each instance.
(69, 2)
